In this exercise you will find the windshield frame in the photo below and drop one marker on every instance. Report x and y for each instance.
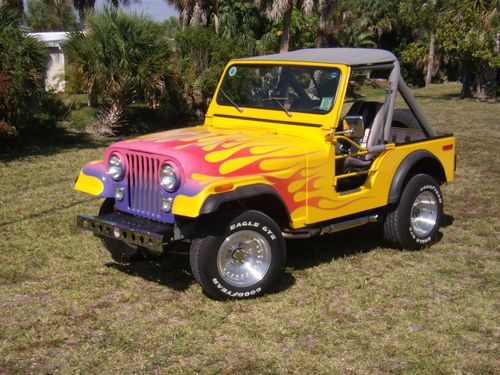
(291, 64)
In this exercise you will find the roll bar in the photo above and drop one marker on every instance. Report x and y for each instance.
(397, 84)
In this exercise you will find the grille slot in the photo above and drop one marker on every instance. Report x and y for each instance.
(143, 185)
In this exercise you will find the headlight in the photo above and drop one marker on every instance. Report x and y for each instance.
(168, 177)
(115, 169)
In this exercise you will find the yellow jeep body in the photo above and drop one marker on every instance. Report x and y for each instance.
(240, 155)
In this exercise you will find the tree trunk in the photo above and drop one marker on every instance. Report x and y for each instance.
(84, 6)
(321, 39)
(285, 36)
(216, 16)
(430, 63)
(15, 5)
(432, 46)
(485, 83)
(92, 98)
(113, 117)
(466, 81)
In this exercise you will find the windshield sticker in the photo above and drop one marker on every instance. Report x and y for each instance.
(232, 71)
(326, 104)
(334, 74)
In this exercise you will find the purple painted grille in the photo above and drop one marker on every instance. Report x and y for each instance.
(143, 185)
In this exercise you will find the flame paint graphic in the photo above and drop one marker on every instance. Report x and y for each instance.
(280, 161)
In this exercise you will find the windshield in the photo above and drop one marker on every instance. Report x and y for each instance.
(280, 87)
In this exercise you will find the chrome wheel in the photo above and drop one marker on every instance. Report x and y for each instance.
(424, 213)
(244, 258)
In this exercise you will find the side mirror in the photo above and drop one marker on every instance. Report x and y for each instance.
(354, 126)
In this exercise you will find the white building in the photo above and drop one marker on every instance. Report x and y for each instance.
(54, 77)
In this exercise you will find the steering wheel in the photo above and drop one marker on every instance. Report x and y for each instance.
(274, 98)
(317, 109)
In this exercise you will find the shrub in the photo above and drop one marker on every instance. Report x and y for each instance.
(22, 67)
(122, 57)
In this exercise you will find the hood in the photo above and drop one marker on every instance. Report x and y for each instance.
(206, 155)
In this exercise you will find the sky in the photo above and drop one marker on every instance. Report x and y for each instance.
(157, 9)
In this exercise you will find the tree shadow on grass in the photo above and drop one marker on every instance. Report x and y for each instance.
(439, 97)
(46, 146)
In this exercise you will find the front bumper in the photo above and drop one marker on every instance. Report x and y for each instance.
(129, 229)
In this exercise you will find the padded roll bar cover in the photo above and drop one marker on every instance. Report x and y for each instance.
(415, 108)
(398, 84)
(376, 148)
(399, 178)
(213, 202)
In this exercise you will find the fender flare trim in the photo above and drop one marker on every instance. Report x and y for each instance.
(214, 201)
(402, 172)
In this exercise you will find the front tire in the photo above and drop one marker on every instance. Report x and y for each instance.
(414, 223)
(241, 255)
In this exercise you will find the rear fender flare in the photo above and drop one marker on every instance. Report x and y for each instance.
(399, 179)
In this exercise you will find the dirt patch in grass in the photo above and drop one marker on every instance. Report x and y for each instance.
(347, 303)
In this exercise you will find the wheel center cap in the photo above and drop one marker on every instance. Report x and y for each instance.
(416, 212)
(239, 254)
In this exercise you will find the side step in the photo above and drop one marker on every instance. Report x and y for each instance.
(330, 228)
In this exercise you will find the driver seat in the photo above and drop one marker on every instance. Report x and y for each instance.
(373, 119)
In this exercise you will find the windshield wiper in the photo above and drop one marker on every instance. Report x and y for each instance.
(231, 100)
(277, 100)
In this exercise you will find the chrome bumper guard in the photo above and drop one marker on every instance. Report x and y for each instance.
(129, 229)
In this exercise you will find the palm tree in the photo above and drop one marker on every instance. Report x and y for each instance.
(83, 7)
(123, 57)
(50, 15)
(355, 33)
(282, 9)
(16, 5)
(195, 12)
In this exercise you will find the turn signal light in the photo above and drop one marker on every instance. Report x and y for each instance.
(448, 147)
(224, 187)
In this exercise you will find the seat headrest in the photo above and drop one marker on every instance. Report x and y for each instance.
(367, 110)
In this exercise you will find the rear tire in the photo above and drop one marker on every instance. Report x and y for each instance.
(241, 255)
(414, 222)
(120, 251)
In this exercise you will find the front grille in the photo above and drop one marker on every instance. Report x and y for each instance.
(143, 185)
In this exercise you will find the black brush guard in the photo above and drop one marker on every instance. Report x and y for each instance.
(129, 229)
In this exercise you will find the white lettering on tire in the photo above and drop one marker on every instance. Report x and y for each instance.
(232, 293)
(434, 190)
(244, 224)
(253, 224)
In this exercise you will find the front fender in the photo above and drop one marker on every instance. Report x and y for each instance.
(94, 180)
(213, 202)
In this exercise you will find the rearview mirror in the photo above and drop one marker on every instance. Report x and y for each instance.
(355, 126)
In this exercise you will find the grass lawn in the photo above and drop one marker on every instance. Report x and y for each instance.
(347, 303)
